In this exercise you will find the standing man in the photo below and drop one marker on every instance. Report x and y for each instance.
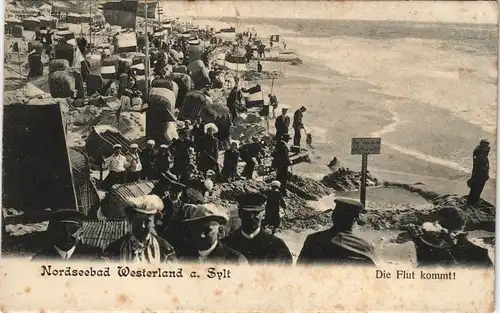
(148, 158)
(162, 161)
(142, 244)
(203, 224)
(209, 151)
(117, 165)
(64, 234)
(282, 124)
(298, 124)
(230, 165)
(135, 168)
(234, 99)
(338, 245)
(257, 245)
(180, 150)
(480, 172)
(281, 162)
(273, 101)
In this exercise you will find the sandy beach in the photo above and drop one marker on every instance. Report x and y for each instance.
(425, 82)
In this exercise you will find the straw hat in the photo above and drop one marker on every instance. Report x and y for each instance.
(211, 126)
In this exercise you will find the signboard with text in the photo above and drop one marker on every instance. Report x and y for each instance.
(366, 145)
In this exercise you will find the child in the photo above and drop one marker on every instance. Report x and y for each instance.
(231, 157)
(274, 201)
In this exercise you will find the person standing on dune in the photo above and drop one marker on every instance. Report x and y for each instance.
(480, 172)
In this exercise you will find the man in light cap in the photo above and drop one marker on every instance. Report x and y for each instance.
(63, 238)
(142, 244)
(148, 157)
(134, 169)
(338, 245)
(282, 123)
(203, 226)
(257, 245)
(117, 165)
(298, 125)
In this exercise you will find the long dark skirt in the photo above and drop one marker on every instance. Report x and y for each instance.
(133, 176)
(113, 178)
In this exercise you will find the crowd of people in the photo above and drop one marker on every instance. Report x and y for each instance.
(174, 224)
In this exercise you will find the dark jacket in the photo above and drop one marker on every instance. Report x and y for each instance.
(251, 150)
(263, 248)
(281, 155)
(148, 158)
(274, 202)
(282, 124)
(162, 162)
(234, 96)
(297, 119)
(231, 158)
(221, 254)
(82, 252)
(180, 151)
(209, 153)
(320, 248)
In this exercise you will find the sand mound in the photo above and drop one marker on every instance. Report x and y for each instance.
(307, 188)
(399, 217)
(345, 179)
(254, 75)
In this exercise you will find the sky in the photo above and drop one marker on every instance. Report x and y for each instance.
(481, 12)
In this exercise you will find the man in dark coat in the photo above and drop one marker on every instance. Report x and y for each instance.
(274, 202)
(180, 150)
(142, 244)
(338, 245)
(281, 161)
(234, 99)
(249, 152)
(282, 124)
(257, 245)
(480, 172)
(197, 133)
(148, 158)
(230, 165)
(298, 125)
(64, 234)
(447, 245)
(209, 151)
(162, 161)
(203, 225)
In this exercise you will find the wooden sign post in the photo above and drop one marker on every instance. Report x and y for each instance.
(364, 146)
